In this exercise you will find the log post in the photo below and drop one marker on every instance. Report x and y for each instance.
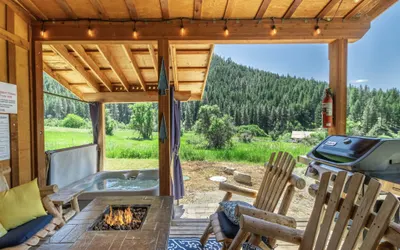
(102, 137)
(338, 84)
(38, 114)
(164, 109)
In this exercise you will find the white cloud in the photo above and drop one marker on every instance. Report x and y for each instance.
(358, 81)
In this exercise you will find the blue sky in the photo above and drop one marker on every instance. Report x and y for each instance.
(374, 60)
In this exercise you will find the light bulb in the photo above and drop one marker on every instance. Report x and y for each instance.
(317, 30)
(182, 30)
(273, 30)
(226, 31)
(135, 34)
(42, 33)
(90, 31)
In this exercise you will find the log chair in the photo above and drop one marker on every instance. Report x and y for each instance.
(277, 178)
(326, 230)
(50, 228)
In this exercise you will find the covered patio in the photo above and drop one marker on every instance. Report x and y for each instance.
(117, 52)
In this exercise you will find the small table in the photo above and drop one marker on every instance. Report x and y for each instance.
(153, 233)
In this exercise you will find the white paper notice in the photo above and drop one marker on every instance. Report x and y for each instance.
(8, 98)
(4, 138)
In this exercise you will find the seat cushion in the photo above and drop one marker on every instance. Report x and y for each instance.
(22, 233)
(3, 231)
(20, 205)
(227, 227)
(229, 209)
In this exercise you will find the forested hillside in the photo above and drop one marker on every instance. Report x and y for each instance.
(276, 103)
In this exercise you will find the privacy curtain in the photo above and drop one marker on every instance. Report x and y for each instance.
(178, 185)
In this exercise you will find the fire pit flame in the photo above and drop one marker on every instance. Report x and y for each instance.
(120, 217)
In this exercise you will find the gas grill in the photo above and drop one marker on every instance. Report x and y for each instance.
(375, 158)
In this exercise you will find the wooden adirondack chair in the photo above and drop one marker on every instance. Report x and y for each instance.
(319, 234)
(278, 177)
(49, 229)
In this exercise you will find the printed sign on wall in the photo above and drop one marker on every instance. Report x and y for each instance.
(8, 98)
(4, 138)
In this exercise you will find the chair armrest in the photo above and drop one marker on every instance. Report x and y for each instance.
(297, 181)
(272, 230)
(51, 209)
(267, 216)
(237, 190)
(48, 190)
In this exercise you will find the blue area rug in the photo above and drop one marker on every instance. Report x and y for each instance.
(192, 244)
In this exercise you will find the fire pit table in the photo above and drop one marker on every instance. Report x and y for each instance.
(119, 222)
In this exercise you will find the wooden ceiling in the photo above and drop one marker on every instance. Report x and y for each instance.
(203, 9)
(87, 69)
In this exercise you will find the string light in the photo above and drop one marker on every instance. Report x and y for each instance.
(90, 31)
(134, 33)
(182, 28)
(317, 29)
(274, 31)
(226, 31)
(42, 30)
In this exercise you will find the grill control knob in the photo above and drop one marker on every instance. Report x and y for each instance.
(347, 141)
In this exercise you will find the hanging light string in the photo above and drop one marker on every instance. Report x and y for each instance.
(182, 29)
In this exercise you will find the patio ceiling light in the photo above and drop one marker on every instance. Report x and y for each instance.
(90, 31)
(182, 28)
(134, 32)
(274, 31)
(42, 30)
(226, 31)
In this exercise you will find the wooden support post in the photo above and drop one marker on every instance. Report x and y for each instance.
(164, 108)
(338, 84)
(102, 137)
(38, 114)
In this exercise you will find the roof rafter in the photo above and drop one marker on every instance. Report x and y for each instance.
(198, 5)
(380, 8)
(174, 67)
(80, 51)
(132, 9)
(153, 58)
(105, 52)
(328, 7)
(356, 10)
(101, 12)
(263, 8)
(148, 96)
(293, 7)
(32, 7)
(67, 9)
(134, 65)
(207, 70)
(76, 65)
(62, 81)
(164, 9)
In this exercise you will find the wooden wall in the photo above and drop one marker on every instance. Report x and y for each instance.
(15, 69)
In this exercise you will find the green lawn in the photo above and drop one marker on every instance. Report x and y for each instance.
(123, 145)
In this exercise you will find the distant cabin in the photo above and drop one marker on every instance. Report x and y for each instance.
(297, 136)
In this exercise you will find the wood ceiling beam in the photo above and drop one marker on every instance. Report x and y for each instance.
(67, 9)
(101, 12)
(20, 10)
(150, 50)
(293, 7)
(229, 9)
(76, 65)
(124, 97)
(380, 8)
(198, 6)
(356, 10)
(62, 81)
(174, 67)
(80, 51)
(15, 39)
(263, 8)
(134, 65)
(207, 71)
(164, 9)
(153, 58)
(130, 5)
(185, 69)
(32, 7)
(328, 7)
(247, 31)
(106, 53)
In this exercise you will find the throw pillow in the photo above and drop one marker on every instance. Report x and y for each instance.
(20, 205)
(229, 209)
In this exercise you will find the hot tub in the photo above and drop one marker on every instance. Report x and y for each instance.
(117, 183)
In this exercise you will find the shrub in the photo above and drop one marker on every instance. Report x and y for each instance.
(142, 119)
(246, 137)
(253, 129)
(52, 122)
(73, 121)
(110, 124)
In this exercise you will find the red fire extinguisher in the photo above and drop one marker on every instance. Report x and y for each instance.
(327, 109)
